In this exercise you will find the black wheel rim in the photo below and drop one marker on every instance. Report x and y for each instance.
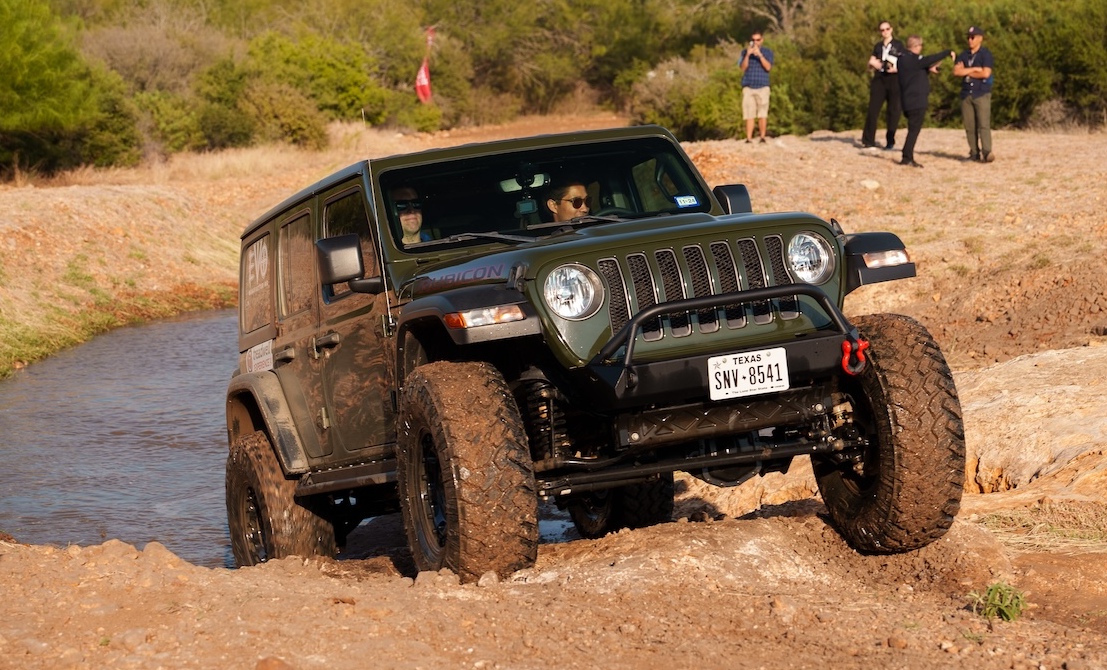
(253, 531)
(595, 507)
(592, 512)
(432, 522)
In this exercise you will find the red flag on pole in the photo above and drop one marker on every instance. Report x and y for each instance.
(423, 77)
(423, 83)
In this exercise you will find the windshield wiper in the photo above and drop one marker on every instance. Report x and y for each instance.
(462, 237)
(577, 221)
(588, 219)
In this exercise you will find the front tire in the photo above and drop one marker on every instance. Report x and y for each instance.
(466, 482)
(264, 519)
(905, 490)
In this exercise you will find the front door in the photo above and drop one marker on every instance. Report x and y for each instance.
(356, 344)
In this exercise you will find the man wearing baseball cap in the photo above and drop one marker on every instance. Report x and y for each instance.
(974, 66)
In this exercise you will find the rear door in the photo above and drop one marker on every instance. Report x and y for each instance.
(296, 357)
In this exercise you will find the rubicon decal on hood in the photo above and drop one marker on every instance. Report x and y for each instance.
(446, 280)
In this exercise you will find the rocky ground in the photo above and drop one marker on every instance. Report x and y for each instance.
(1010, 265)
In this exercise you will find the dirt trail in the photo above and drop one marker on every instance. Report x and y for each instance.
(1010, 283)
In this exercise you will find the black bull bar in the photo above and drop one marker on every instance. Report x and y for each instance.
(853, 346)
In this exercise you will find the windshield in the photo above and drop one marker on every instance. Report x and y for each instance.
(521, 196)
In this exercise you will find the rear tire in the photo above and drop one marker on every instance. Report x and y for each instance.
(634, 506)
(466, 481)
(264, 519)
(908, 489)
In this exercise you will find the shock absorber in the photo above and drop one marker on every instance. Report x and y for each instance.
(545, 421)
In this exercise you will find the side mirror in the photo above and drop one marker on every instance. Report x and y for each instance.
(734, 198)
(340, 261)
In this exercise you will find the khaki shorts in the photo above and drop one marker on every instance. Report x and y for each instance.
(755, 103)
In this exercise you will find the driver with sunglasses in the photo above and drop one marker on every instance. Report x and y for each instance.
(409, 209)
(569, 200)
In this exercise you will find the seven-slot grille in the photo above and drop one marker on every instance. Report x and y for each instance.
(695, 270)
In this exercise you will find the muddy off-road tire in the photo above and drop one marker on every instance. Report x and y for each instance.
(264, 518)
(906, 405)
(466, 481)
(635, 506)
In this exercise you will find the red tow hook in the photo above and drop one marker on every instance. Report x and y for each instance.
(853, 355)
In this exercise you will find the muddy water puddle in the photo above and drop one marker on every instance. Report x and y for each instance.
(123, 437)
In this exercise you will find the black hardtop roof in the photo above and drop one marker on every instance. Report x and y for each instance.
(473, 149)
(307, 193)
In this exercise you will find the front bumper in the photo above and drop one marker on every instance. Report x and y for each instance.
(617, 383)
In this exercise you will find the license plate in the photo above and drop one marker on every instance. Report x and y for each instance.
(749, 373)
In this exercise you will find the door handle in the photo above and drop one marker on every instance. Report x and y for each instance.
(327, 341)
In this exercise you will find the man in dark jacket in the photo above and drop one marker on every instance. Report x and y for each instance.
(914, 88)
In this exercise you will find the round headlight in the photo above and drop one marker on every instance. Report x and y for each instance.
(810, 258)
(573, 292)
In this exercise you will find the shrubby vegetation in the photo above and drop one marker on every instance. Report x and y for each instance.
(107, 82)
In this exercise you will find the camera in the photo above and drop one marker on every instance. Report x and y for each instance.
(885, 66)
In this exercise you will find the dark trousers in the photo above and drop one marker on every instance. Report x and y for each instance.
(915, 118)
(884, 88)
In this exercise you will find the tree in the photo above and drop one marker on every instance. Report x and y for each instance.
(45, 89)
(782, 17)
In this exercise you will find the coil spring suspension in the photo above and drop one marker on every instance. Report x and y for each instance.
(545, 420)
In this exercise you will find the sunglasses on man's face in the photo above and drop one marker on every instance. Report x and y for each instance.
(578, 201)
(406, 205)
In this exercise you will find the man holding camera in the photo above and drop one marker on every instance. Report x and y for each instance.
(884, 87)
(756, 61)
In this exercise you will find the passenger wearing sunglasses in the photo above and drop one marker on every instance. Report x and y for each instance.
(569, 200)
(409, 209)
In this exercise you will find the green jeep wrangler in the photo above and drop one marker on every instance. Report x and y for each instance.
(462, 333)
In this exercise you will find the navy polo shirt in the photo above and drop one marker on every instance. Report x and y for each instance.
(982, 58)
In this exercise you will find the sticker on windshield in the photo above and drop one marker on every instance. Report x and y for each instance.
(686, 201)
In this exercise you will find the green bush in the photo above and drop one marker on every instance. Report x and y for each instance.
(336, 76)
(283, 114)
(173, 121)
(222, 83)
(111, 135)
(664, 96)
(225, 127)
(423, 118)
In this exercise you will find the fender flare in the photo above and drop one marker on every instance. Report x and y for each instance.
(258, 397)
(859, 274)
(431, 311)
(437, 306)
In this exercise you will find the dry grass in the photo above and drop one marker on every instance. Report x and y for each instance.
(1070, 526)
